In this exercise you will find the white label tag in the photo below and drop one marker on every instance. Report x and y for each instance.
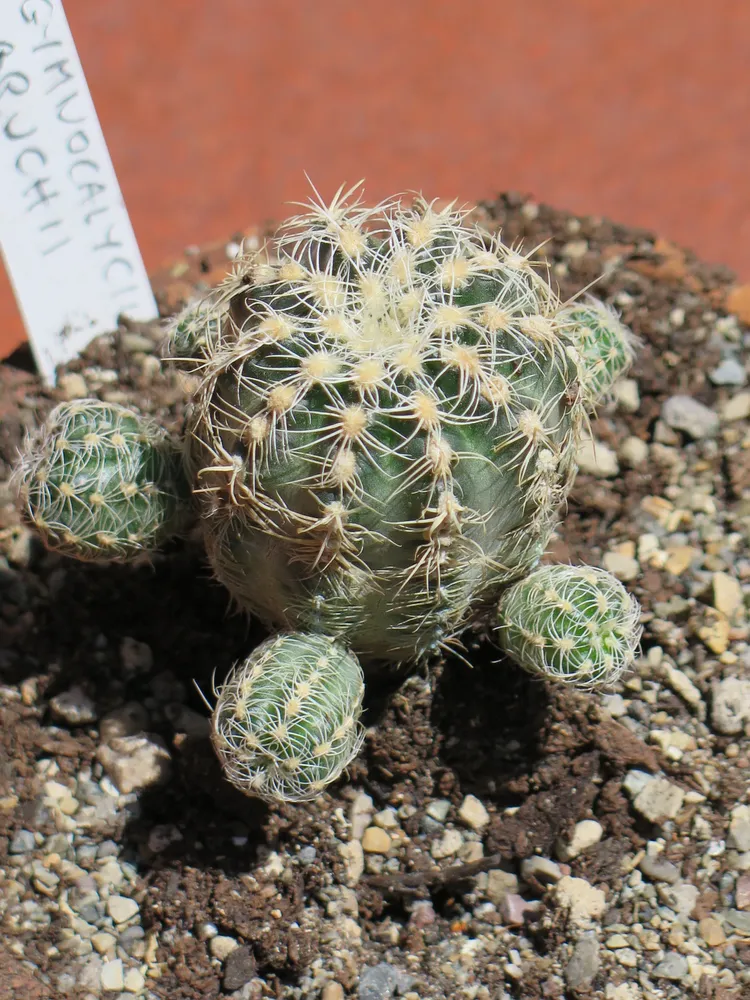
(65, 234)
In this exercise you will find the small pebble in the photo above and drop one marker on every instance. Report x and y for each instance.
(711, 932)
(121, 908)
(673, 966)
(473, 813)
(624, 567)
(633, 452)
(659, 800)
(658, 869)
(729, 372)
(499, 884)
(375, 841)
(222, 946)
(111, 976)
(736, 408)
(683, 413)
(447, 845)
(730, 710)
(333, 991)
(438, 810)
(584, 902)
(586, 834)
(73, 707)
(134, 981)
(597, 459)
(584, 962)
(542, 869)
(380, 982)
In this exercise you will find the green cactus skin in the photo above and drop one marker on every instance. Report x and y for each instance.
(286, 721)
(606, 345)
(576, 624)
(101, 483)
(385, 426)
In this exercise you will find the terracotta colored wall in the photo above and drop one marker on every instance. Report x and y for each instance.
(214, 108)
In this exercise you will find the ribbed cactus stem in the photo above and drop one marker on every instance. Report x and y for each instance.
(576, 624)
(100, 482)
(286, 721)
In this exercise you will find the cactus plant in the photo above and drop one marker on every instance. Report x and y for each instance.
(286, 721)
(388, 410)
(576, 624)
(388, 419)
(101, 483)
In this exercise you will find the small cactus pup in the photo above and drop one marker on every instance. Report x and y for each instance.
(575, 624)
(606, 345)
(286, 721)
(100, 482)
(387, 421)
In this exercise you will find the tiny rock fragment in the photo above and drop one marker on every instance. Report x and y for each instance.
(730, 709)
(659, 800)
(354, 860)
(633, 452)
(73, 707)
(136, 762)
(584, 962)
(739, 828)
(736, 408)
(597, 459)
(624, 567)
(447, 845)
(711, 932)
(375, 841)
(683, 413)
(727, 594)
(584, 902)
(473, 813)
(499, 884)
(586, 834)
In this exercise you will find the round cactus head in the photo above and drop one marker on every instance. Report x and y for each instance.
(570, 623)
(606, 345)
(385, 425)
(286, 721)
(101, 483)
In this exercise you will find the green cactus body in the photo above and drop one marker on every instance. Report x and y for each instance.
(606, 345)
(385, 426)
(571, 623)
(286, 721)
(101, 483)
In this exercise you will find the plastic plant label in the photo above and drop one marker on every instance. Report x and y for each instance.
(66, 238)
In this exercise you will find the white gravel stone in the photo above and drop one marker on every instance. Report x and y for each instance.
(659, 800)
(633, 452)
(360, 814)
(586, 834)
(473, 813)
(447, 845)
(438, 810)
(542, 869)
(623, 567)
(683, 686)
(625, 391)
(736, 408)
(728, 372)
(73, 707)
(739, 828)
(730, 711)
(121, 908)
(111, 976)
(135, 762)
(222, 946)
(597, 459)
(683, 413)
(354, 860)
(584, 902)
(134, 981)
(499, 884)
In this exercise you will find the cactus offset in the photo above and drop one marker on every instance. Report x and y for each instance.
(101, 483)
(386, 422)
(606, 345)
(571, 623)
(286, 721)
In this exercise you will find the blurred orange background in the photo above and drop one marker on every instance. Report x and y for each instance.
(213, 111)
